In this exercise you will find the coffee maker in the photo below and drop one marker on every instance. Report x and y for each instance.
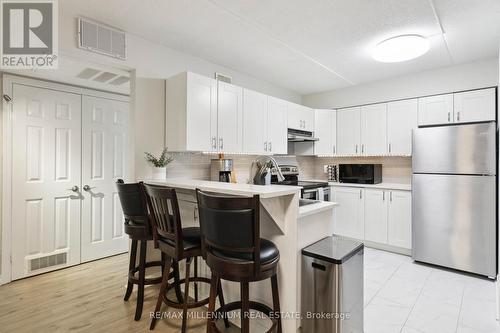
(221, 170)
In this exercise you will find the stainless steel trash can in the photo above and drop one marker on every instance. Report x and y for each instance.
(332, 286)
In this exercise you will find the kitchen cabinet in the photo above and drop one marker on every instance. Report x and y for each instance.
(325, 130)
(277, 115)
(348, 131)
(401, 121)
(255, 122)
(376, 215)
(229, 117)
(203, 114)
(381, 216)
(475, 105)
(191, 118)
(435, 110)
(374, 129)
(399, 219)
(264, 124)
(349, 215)
(300, 117)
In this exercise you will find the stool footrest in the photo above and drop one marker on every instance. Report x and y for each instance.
(147, 281)
(253, 306)
(193, 305)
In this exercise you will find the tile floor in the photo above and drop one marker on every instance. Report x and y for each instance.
(401, 296)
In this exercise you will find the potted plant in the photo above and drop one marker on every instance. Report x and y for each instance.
(159, 164)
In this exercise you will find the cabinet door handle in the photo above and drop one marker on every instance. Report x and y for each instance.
(458, 115)
(356, 149)
(361, 194)
(221, 143)
(214, 142)
(265, 146)
(383, 195)
(448, 117)
(362, 148)
(389, 147)
(334, 150)
(270, 146)
(391, 196)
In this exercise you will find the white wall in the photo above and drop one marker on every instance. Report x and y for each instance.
(448, 79)
(148, 100)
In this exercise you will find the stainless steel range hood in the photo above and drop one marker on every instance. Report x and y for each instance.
(295, 135)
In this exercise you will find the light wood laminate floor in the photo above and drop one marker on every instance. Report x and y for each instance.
(83, 298)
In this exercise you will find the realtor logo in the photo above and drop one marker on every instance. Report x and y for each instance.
(29, 34)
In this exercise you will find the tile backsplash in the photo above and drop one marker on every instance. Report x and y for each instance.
(197, 166)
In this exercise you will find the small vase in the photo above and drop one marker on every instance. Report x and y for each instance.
(159, 173)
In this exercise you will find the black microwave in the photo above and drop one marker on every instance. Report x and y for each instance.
(360, 173)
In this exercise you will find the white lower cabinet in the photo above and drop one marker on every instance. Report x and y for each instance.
(399, 219)
(377, 215)
(349, 215)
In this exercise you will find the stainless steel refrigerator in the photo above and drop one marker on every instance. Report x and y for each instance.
(454, 197)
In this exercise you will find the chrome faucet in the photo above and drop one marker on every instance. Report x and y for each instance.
(261, 164)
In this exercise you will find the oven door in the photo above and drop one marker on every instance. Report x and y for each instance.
(321, 194)
(311, 194)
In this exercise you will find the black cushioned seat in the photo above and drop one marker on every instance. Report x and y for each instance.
(191, 237)
(268, 252)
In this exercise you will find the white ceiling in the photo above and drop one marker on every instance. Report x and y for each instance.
(307, 46)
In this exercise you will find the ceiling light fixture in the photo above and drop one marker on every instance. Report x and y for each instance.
(401, 48)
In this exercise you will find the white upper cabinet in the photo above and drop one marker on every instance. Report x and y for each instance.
(435, 110)
(229, 117)
(326, 131)
(277, 125)
(300, 117)
(254, 122)
(461, 107)
(374, 129)
(376, 215)
(191, 119)
(348, 131)
(473, 106)
(399, 219)
(401, 121)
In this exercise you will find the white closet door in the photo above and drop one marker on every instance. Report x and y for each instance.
(46, 165)
(104, 152)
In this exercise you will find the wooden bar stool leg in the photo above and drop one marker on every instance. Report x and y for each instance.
(245, 307)
(163, 287)
(222, 302)
(196, 275)
(178, 292)
(186, 294)
(276, 300)
(214, 281)
(142, 275)
(131, 266)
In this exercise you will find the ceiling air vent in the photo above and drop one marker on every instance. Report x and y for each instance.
(99, 38)
(223, 78)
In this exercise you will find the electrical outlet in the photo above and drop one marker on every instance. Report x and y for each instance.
(325, 168)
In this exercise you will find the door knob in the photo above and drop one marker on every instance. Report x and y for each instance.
(74, 189)
(87, 188)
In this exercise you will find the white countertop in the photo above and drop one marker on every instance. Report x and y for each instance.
(387, 186)
(265, 191)
(316, 208)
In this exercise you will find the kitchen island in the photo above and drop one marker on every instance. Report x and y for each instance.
(283, 222)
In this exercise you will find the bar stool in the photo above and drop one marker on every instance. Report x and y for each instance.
(177, 244)
(234, 251)
(138, 227)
